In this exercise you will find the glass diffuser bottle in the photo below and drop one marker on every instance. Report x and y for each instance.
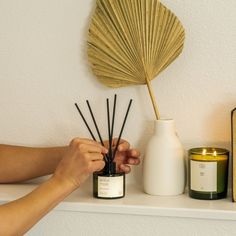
(108, 184)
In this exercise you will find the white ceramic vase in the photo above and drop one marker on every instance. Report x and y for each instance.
(164, 164)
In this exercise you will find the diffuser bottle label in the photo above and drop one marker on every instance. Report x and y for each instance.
(110, 186)
(203, 176)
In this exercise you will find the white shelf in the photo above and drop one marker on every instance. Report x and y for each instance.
(135, 203)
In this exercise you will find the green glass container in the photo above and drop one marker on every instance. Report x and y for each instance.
(208, 173)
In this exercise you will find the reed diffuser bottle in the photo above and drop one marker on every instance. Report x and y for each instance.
(108, 183)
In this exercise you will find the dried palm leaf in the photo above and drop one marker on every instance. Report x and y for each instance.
(131, 41)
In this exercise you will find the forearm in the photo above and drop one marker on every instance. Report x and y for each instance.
(25, 212)
(23, 163)
(81, 159)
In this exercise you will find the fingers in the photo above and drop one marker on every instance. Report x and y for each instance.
(125, 168)
(133, 161)
(123, 146)
(95, 157)
(133, 157)
(78, 141)
(92, 149)
(98, 165)
(94, 152)
(87, 145)
(83, 140)
(134, 153)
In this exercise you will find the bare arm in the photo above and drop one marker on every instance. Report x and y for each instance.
(72, 165)
(81, 159)
(19, 216)
(23, 163)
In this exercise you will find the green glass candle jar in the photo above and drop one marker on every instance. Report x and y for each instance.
(208, 173)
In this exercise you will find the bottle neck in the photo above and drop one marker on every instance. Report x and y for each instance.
(110, 168)
(165, 126)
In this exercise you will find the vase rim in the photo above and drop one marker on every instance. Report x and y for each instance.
(165, 120)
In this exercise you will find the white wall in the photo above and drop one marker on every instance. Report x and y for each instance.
(44, 70)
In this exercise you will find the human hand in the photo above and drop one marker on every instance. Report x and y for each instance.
(82, 158)
(125, 156)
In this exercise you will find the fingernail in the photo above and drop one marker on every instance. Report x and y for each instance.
(131, 161)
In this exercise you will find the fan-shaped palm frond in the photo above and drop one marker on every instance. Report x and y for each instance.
(131, 41)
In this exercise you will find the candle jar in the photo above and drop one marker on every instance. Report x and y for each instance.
(108, 184)
(208, 173)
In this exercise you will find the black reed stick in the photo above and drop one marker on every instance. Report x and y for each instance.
(109, 131)
(113, 122)
(90, 131)
(122, 128)
(109, 158)
(81, 114)
(95, 123)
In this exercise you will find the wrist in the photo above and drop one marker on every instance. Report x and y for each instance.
(64, 183)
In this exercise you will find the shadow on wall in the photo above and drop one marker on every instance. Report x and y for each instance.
(218, 125)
